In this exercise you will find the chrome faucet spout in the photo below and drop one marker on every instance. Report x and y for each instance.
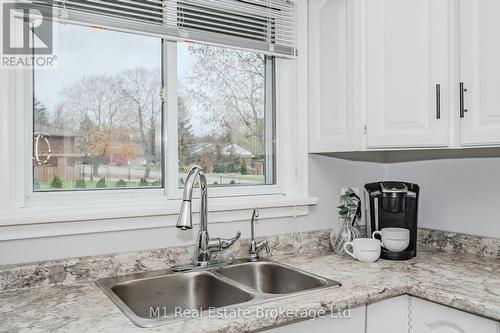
(204, 244)
(256, 247)
(255, 213)
(185, 220)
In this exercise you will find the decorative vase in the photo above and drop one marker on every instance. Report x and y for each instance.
(346, 233)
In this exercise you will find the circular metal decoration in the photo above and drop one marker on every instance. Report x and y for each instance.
(36, 157)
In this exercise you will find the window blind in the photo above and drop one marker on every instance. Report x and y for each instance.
(266, 26)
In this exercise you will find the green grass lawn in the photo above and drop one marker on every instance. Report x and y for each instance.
(220, 178)
(253, 177)
(91, 184)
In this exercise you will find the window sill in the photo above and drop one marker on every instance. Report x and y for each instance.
(38, 222)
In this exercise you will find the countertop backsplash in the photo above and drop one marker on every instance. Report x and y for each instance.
(459, 243)
(84, 269)
(87, 269)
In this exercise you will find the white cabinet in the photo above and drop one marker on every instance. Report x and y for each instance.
(385, 74)
(354, 324)
(480, 71)
(407, 73)
(428, 317)
(330, 122)
(397, 315)
(411, 314)
(388, 316)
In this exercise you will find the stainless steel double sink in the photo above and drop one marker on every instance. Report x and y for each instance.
(154, 298)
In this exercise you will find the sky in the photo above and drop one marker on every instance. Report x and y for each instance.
(82, 52)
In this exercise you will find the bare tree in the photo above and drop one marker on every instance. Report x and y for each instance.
(141, 89)
(96, 98)
(40, 114)
(184, 134)
(229, 86)
(92, 106)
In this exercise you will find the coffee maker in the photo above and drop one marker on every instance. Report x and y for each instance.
(391, 204)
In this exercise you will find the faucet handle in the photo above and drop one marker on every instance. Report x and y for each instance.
(265, 243)
(224, 243)
(256, 248)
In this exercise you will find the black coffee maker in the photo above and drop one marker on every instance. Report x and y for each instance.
(393, 205)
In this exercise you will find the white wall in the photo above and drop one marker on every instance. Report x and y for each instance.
(459, 193)
(327, 176)
(47, 248)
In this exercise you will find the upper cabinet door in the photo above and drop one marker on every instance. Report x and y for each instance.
(428, 317)
(407, 74)
(330, 123)
(480, 71)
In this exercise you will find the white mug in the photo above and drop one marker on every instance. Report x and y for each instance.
(364, 249)
(394, 239)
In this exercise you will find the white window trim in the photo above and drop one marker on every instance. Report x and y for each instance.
(33, 215)
(171, 148)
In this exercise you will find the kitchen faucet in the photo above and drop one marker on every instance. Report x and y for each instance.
(255, 248)
(204, 244)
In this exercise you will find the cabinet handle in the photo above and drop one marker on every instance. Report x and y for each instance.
(462, 108)
(438, 101)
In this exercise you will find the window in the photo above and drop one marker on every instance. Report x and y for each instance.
(92, 44)
(97, 117)
(102, 119)
(226, 114)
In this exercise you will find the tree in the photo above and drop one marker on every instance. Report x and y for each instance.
(116, 117)
(59, 118)
(244, 169)
(229, 86)
(97, 98)
(143, 182)
(56, 182)
(185, 135)
(141, 88)
(101, 183)
(84, 143)
(80, 183)
(40, 114)
(121, 183)
(93, 106)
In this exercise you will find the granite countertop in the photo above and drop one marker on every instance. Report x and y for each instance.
(462, 281)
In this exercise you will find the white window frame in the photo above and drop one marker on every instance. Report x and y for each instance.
(171, 152)
(22, 206)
